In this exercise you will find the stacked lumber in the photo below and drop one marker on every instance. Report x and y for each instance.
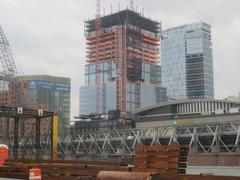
(162, 159)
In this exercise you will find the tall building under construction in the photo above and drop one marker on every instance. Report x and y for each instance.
(122, 70)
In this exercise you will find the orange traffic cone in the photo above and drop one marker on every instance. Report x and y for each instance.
(35, 174)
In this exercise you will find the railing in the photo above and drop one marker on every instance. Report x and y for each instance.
(204, 138)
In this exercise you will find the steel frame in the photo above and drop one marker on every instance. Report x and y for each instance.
(33, 145)
(206, 138)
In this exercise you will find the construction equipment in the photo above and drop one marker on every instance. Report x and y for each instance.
(13, 91)
(13, 87)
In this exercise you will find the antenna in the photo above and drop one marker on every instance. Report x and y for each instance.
(132, 5)
(98, 9)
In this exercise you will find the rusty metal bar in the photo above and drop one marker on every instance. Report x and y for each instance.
(111, 175)
(16, 133)
(37, 137)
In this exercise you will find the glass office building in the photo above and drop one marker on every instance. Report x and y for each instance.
(187, 62)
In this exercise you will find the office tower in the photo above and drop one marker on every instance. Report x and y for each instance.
(122, 71)
(187, 63)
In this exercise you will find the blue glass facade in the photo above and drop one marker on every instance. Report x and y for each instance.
(139, 94)
(187, 63)
(107, 98)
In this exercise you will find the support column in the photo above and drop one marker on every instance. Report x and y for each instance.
(37, 137)
(54, 140)
(16, 143)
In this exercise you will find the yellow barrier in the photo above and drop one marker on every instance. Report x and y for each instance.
(54, 137)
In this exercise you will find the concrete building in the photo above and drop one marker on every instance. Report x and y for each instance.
(122, 71)
(187, 62)
(43, 92)
(188, 112)
(233, 98)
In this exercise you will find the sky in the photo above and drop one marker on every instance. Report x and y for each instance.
(47, 36)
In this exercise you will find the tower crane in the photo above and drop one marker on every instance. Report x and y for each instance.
(132, 4)
(16, 94)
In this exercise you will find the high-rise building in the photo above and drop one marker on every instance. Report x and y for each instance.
(43, 92)
(233, 98)
(187, 62)
(122, 71)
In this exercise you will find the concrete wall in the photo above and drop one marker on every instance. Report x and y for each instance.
(219, 159)
(215, 170)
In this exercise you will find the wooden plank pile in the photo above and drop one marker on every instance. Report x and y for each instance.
(162, 159)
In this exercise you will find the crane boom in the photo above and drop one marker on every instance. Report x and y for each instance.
(132, 4)
(16, 90)
(6, 58)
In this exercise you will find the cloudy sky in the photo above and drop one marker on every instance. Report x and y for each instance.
(47, 36)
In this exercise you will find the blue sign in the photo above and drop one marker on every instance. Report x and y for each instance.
(48, 85)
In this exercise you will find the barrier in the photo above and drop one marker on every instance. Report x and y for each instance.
(3, 154)
(35, 174)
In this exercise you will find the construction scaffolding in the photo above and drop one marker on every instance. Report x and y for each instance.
(128, 39)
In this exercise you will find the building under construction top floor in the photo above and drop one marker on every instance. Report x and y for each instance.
(128, 16)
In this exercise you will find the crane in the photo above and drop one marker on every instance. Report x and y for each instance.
(6, 58)
(16, 94)
(132, 5)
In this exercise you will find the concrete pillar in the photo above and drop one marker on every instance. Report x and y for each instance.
(188, 110)
(202, 107)
(238, 149)
(192, 150)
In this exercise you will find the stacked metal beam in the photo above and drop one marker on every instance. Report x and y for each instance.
(162, 159)
(91, 170)
(60, 169)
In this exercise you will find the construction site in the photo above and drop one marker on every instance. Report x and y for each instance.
(117, 135)
(122, 63)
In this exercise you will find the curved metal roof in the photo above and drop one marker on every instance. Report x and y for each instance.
(182, 101)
